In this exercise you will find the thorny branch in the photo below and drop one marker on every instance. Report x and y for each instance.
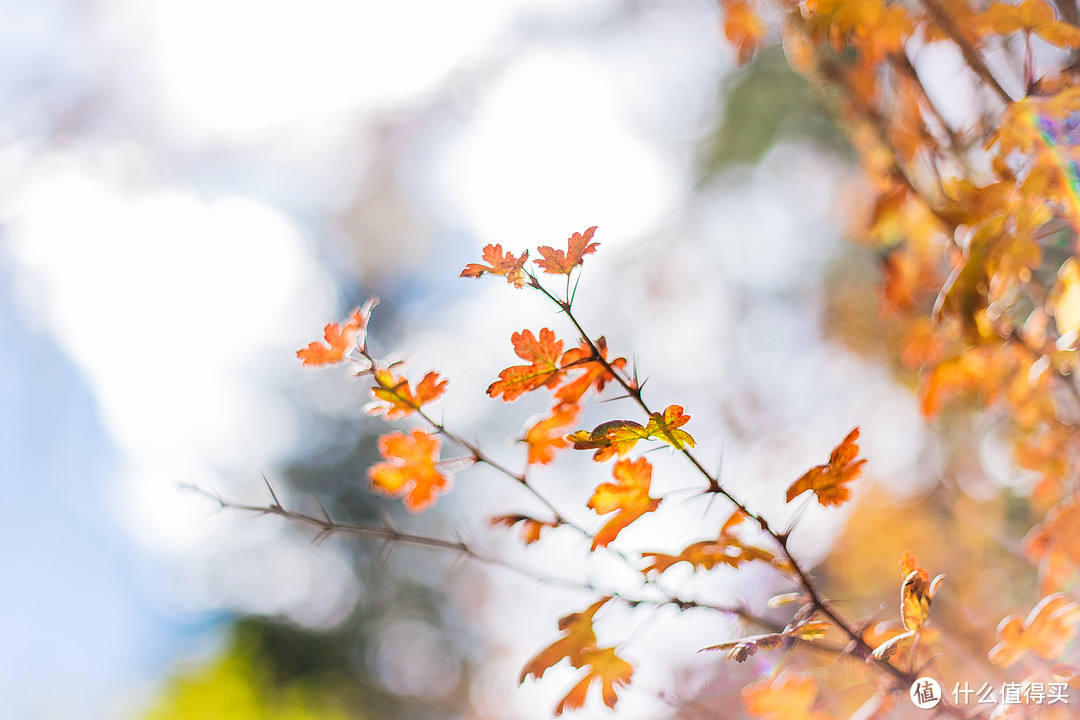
(857, 645)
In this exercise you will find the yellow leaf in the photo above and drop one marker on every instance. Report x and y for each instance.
(789, 696)
(1046, 631)
(1065, 297)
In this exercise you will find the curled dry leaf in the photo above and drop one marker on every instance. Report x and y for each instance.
(916, 593)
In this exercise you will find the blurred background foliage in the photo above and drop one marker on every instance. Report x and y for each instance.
(721, 195)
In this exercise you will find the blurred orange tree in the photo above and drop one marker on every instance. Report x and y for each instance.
(975, 220)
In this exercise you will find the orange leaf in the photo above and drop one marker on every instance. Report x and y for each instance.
(1055, 544)
(707, 554)
(618, 437)
(1046, 631)
(666, 426)
(595, 374)
(530, 527)
(615, 437)
(505, 265)
(411, 470)
(556, 262)
(604, 666)
(544, 370)
(399, 397)
(829, 482)
(916, 592)
(789, 696)
(744, 29)
(734, 520)
(578, 638)
(340, 339)
(628, 498)
(545, 436)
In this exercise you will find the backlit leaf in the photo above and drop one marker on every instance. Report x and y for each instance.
(542, 353)
(592, 371)
(410, 470)
(627, 497)
(788, 696)
(605, 667)
(398, 399)
(707, 554)
(499, 263)
(743, 28)
(665, 426)
(829, 482)
(557, 262)
(578, 638)
(1046, 631)
(547, 434)
(531, 528)
(340, 339)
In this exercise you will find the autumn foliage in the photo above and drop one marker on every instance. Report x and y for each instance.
(975, 221)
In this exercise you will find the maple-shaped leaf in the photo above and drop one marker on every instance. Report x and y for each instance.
(788, 696)
(665, 426)
(707, 554)
(410, 470)
(594, 374)
(531, 528)
(578, 638)
(743, 28)
(499, 263)
(1046, 631)
(829, 482)
(543, 354)
(611, 438)
(557, 262)
(627, 497)
(605, 667)
(547, 434)
(340, 339)
(398, 399)
(618, 437)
